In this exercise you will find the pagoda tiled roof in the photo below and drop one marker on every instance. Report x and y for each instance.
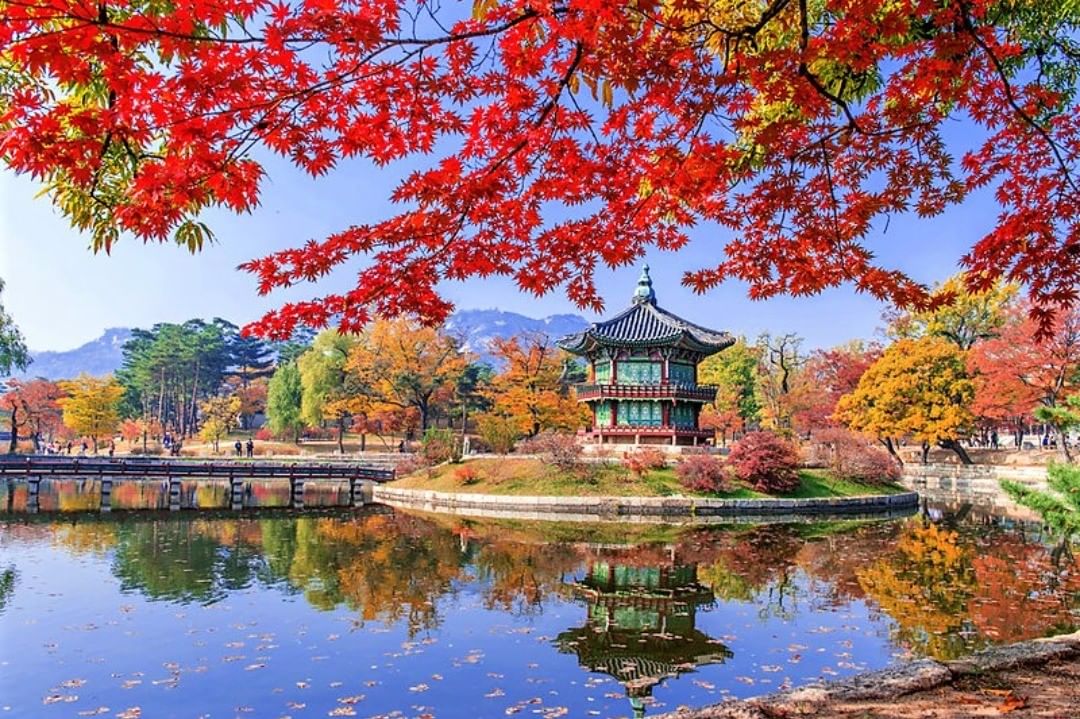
(645, 324)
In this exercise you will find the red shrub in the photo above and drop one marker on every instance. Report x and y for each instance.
(466, 474)
(765, 461)
(702, 473)
(263, 434)
(643, 460)
(851, 456)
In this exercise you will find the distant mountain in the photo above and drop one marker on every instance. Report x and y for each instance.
(97, 357)
(478, 327)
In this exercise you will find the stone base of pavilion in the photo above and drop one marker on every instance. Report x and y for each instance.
(666, 438)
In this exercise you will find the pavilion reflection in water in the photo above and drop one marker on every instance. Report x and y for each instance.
(640, 627)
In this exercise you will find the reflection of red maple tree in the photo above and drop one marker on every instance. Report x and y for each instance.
(1015, 579)
(801, 126)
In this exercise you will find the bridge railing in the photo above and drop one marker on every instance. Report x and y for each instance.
(148, 467)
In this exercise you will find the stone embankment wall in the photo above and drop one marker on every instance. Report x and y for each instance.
(977, 484)
(647, 508)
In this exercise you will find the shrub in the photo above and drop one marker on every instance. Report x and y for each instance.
(263, 434)
(643, 460)
(412, 464)
(151, 450)
(555, 448)
(767, 462)
(702, 473)
(849, 456)
(466, 474)
(498, 433)
(440, 445)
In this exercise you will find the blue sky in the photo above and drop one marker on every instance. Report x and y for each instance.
(62, 295)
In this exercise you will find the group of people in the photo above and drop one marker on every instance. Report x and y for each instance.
(249, 447)
(61, 448)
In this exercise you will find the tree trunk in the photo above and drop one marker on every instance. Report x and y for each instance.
(892, 450)
(955, 446)
(1065, 453)
(13, 447)
(341, 435)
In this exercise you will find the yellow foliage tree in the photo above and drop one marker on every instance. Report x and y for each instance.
(92, 406)
(926, 587)
(401, 364)
(918, 389)
(961, 317)
(219, 415)
(531, 390)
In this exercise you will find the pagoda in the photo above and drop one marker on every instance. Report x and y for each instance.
(642, 366)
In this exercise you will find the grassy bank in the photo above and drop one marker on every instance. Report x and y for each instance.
(532, 477)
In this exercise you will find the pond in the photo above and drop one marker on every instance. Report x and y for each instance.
(383, 613)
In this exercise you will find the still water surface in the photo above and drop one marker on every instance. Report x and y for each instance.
(375, 613)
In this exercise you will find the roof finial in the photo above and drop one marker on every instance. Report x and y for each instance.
(644, 291)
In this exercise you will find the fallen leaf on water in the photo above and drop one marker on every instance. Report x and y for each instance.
(94, 712)
(419, 688)
(351, 700)
(130, 713)
(54, 698)
(342, 712)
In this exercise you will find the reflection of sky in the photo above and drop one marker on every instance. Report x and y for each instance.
(249, 653)
(63, 296)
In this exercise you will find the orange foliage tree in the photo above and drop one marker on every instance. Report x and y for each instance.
(32, 406)
(827, 376)
(532, 390)
(400, 364)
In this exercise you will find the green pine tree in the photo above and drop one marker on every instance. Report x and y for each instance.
(1059, 506)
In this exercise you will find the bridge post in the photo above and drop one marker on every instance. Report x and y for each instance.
(236, 492)
(359, 491)
(296, 490)
(33, 488)
(174, 489)
(106, 493)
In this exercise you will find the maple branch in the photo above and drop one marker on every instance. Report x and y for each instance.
(804, 70)
(1010, 97)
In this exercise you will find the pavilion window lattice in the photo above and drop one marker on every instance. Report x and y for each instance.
(640, 414)
(681, 374)
(639, 372)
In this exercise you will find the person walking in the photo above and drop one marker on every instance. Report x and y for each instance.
(250, 447)
(238, 448)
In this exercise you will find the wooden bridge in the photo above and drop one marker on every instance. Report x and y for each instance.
(360, 476)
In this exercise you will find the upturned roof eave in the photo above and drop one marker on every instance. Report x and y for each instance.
(589, 341)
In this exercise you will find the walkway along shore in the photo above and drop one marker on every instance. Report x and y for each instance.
(1035, 678)
(647, 508)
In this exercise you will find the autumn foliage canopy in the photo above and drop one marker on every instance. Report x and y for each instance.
(801, 126)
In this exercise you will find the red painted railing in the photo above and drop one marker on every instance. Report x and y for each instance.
(699, 393)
